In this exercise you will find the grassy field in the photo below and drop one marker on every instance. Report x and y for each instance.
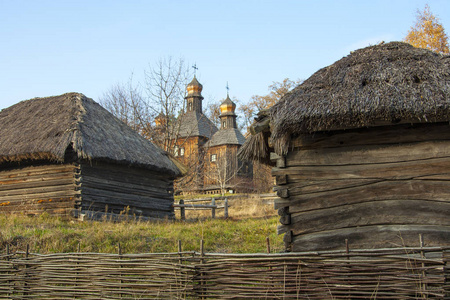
(250, 223)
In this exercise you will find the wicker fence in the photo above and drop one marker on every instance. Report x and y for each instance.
(404, 273)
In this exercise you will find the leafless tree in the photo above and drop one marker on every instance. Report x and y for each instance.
(165, 84)
(212, 111)
(125, 101)
(226, 171)
(161, 95)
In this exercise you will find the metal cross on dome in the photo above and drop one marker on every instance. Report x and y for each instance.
(228, 89)
(195, 69)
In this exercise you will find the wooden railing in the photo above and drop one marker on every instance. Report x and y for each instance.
(184, 205)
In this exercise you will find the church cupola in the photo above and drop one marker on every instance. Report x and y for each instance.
(227, 115)
(160, 120)
(194, 96)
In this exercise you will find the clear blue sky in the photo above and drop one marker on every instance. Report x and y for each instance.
(53, 47)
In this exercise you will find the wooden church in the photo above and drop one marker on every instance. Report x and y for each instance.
(209, 152)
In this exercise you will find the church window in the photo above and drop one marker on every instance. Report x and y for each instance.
(224, 124)
(181, 151)
(213, 157)
(175, 150)
(190, 106)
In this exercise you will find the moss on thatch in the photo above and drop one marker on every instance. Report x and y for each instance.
(389, 83)
(49, 128)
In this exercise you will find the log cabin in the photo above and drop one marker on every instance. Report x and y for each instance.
(67, 155)
(361, 152)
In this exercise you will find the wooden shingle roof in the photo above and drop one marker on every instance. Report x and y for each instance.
(196, 124)
(227, 136)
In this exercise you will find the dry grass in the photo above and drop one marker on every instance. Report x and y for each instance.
(245, 231)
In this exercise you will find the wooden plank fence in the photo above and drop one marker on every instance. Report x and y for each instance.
(402, 273)
(184, 205)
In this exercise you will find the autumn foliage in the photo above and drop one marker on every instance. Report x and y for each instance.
(428, 33)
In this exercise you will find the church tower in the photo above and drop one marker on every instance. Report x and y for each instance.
(194, 97)
(227, 114)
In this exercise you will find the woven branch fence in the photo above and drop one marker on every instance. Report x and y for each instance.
(403, 273)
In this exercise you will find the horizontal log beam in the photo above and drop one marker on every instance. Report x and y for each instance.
(384, 190)
(399, 170)
(195, 206)
(389, 212)
(40, 196)
(405, 133)
(380, 236)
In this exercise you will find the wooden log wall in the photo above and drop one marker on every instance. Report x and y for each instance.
(377, 187)
(121, 189)
(52, 188)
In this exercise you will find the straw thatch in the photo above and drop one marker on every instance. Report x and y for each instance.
(49, 128)
(389, 83)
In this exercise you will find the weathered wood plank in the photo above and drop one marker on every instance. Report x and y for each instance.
(375, 136)
(400, 212)
(380, 236)
(126, 174)
(145, 192)
(22, 185)
(35, 179)
(401, 170)
(41, 170)
(302, 187)
(50, 187)
(369, 154)
(53, 211)
(35, 206)
(112, 198)
(384, 190)
(124, 187)
(40, 196)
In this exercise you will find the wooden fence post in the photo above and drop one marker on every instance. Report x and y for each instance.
(225, 209)
(179, 252)
(182, 210)
(424, 274)
(213, 210)
(202, 254)
(26, 266)
(8, 294)
(119, 251)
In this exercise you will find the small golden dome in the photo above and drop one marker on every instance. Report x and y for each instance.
(227, 106)
(194, 88)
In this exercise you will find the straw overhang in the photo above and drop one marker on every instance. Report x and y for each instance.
(386, 84)
(49, 128)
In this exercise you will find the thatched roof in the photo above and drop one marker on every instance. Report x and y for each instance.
(385, 84)
(45, 128)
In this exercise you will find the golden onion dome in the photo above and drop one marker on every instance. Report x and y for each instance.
(227, 106)
(194, 88)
